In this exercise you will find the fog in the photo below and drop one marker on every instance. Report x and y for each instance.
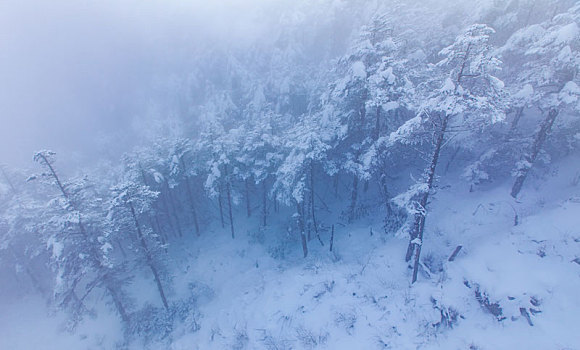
(289, 174)
(84, 78)
(76, 76)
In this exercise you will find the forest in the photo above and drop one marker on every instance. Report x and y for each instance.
(371, 175)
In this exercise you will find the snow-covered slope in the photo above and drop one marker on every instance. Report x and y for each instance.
(509, 287)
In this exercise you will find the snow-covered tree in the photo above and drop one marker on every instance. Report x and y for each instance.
(461, 98)
(306, 145)
(72, 226)
(221, 148)
(131, 202)
(545, 62)
(22, 250)
(151, 167)
(260, 155)
(364, 98)
(182, 171)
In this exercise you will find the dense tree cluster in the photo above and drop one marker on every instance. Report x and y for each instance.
(274, 135)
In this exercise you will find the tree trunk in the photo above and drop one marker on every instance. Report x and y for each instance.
(353, 199)
(451, 159)
(264, 203)
(229, 194)
(77, 309)
(190, 197)
(110, 287)
(455, 252)
(416, 239)
(248, 204)
(332, 238)
(363, 109)
(386, 195)
(155, 207)
(307, 210)
(149, 258)
(123, 253)
(78, 303)
(300, 211)
(515, 122)
(173, 208)
(8, 181)
(169, 220)
(158, 228)
(389, 219)
(155, 227)
(117, 301)
(377, 131)
(530, 158)
(221, 206)
(35, 283)
(163, 202)
(96, 261)
(312, 208)
(55, 177)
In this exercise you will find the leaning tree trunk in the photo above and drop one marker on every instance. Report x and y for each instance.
(416, 239)
(332, 238)
(515, 122)
(113, 290)
(114, 293)
(229, 194)
(530, 158)
(416, 235)
(34, 281)
(8, 181)
(55, 177)
(149, 258)
(110, 286)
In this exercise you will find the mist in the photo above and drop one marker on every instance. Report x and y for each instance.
(289, 174)
(87, 78)
(77, 76)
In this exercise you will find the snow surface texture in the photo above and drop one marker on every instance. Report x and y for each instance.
(509, 287)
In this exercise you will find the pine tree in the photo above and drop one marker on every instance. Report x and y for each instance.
(468, 98)
(130, 203)
(547, 55)
(73, 228)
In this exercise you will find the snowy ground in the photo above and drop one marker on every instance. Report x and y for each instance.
(359, 296)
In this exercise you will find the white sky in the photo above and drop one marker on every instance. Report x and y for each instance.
(73, 71)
